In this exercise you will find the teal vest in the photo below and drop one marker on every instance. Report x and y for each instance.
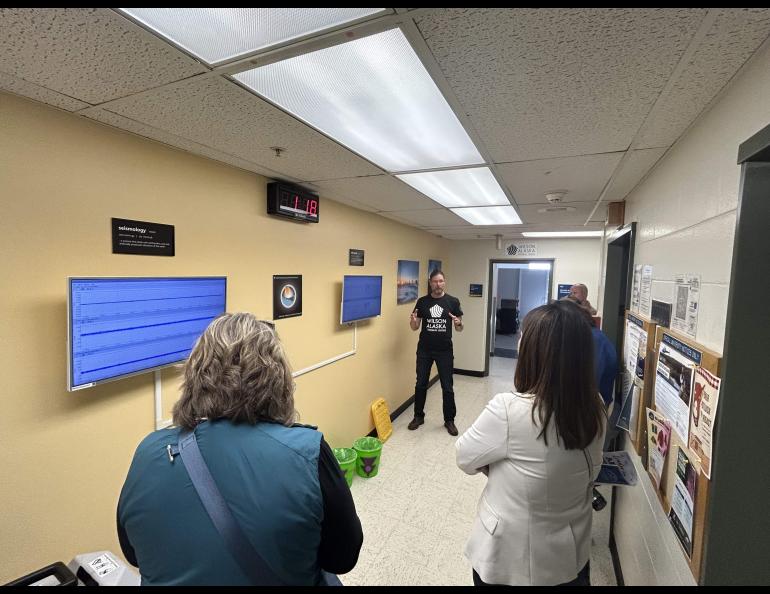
(267, 473)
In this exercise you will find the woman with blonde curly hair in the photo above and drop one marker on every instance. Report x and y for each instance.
(279, 481)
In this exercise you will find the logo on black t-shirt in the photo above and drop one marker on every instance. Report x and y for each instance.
(436, 326)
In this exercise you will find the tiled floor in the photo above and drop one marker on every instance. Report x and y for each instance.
(418, 511)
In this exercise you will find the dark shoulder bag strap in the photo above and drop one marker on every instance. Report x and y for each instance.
(237, 544)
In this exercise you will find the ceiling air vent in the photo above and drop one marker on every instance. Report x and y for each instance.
(556, 209)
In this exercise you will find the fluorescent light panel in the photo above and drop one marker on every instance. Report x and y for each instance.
(562, 234)
(221, 34)
(374, 96)
(458, 187)
(489, 215)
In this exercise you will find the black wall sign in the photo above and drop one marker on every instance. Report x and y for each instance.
(661, 313)
(476, 290)
(141, 237)
(356, 257)
(287, 296)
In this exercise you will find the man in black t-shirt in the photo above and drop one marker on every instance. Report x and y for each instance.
(438, 312)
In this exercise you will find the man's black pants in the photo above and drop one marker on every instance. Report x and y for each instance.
(444, 363)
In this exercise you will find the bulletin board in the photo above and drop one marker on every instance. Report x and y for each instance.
(710, 361)
(648, 327)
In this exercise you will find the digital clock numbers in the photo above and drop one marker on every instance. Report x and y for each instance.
(292, 202)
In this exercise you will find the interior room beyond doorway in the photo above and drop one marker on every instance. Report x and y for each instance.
(517, 288)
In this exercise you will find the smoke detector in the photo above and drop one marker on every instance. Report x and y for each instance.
(556, 196)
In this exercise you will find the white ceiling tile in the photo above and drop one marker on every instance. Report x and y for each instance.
(347, 201)
(427, 218)
(631, 172)
(378, 192)
(551, 82)
(530, 214)
(733, 38)
(91, 54)
(582, 177)
(218, 113)
(118, 121)
(21, 87)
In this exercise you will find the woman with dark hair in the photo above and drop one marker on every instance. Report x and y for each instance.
(541, 447)
(279, 481)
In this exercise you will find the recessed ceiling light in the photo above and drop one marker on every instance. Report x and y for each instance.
(374, 96)
(217, 35)
(459, 187)
(489, 215)
(562, 233)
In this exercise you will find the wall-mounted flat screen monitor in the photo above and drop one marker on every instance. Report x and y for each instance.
(361, 298)
(124, 326)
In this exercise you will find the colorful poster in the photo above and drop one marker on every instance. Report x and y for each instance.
(686, 297)
(433, 265)
(658, 442)
(704, 410)
(407, 281)
(673, 389)
(683, 500)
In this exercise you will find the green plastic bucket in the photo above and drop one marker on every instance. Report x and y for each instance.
(346, 458)
(368, 450)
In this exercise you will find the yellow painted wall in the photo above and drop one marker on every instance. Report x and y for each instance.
(63, 456)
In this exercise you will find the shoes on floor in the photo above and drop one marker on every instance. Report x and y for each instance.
(416, 422)
(450, 427)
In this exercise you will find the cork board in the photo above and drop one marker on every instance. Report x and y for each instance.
(710, 361)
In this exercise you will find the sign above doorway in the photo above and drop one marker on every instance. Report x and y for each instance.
(521, 249)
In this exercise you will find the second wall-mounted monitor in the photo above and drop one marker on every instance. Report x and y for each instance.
(361, 298)
(124, 326)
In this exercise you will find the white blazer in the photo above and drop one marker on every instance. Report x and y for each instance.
(533, 524)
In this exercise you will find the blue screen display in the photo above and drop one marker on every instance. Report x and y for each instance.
(120, 326)
(361, 297)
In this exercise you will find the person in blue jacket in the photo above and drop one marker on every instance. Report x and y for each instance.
(605, 357)
(279, 479)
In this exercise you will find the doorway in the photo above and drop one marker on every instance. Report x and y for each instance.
(617, 285)
(517, 287)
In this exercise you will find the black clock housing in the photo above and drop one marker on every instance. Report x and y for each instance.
(292, 202)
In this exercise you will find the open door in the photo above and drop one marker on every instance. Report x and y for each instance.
(617, 284)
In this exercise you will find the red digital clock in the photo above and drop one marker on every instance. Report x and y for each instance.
(292, 202)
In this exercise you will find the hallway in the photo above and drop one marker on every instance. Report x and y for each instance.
(418, 511)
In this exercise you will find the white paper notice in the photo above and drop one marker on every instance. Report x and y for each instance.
(635, 349)
(633, 421)
(704, 409)
(684, 317)
(636, 288)
(645, 292)
(103, 565)
(673, 389)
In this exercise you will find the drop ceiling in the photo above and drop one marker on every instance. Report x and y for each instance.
(582, 100)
